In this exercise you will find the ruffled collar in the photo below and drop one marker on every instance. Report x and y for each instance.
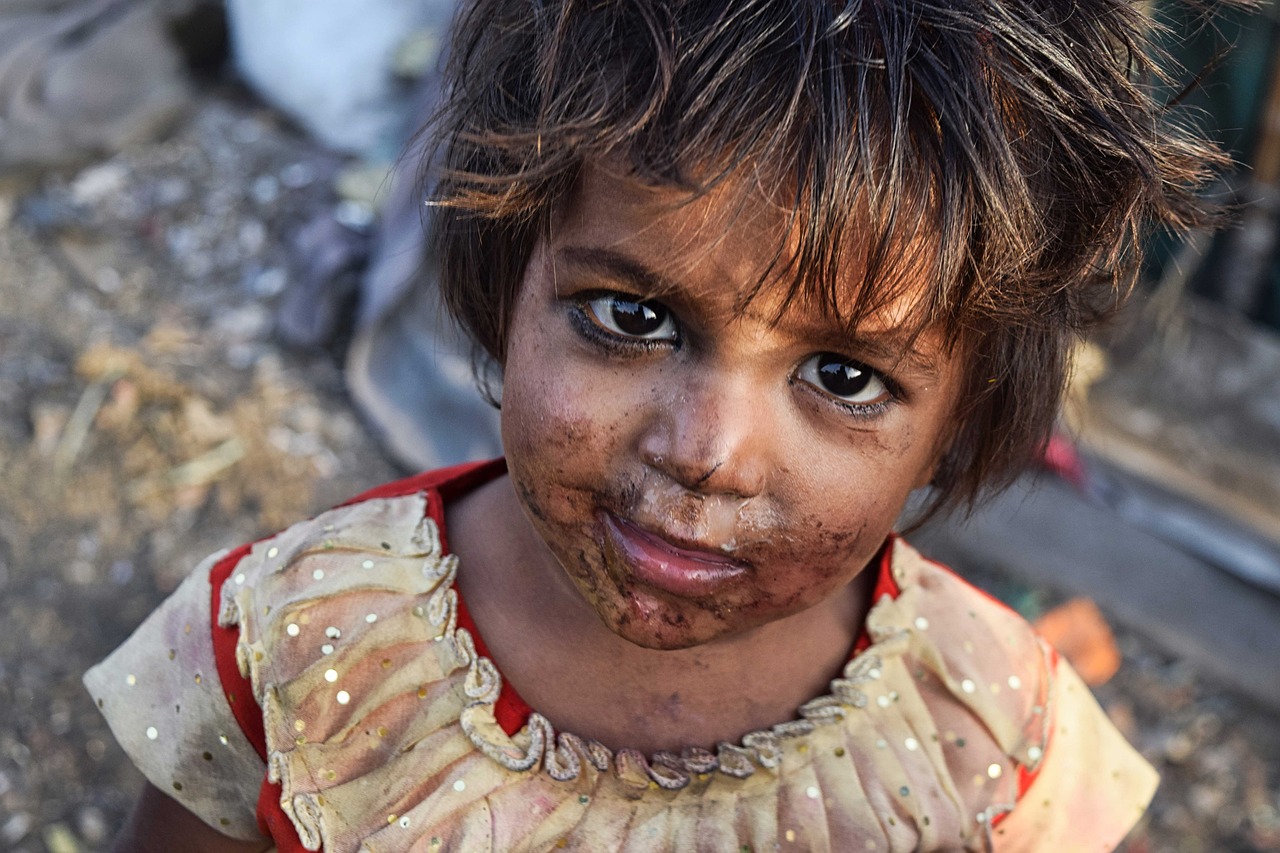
(381, 726)
(512, 712)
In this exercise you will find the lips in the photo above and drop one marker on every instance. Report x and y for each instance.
(658, 563)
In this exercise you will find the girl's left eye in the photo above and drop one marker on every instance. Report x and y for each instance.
(635, 319)
(846, 380)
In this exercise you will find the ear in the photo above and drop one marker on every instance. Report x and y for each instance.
(929, 473)
(926, 475)
(925, 478)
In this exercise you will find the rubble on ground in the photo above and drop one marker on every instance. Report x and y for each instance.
(149, 416)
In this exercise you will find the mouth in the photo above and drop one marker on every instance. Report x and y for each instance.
(687, 572)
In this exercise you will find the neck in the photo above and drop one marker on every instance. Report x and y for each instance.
(562, 660)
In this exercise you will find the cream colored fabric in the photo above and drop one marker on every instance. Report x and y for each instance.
(1091, 789)
(380, 727)
(162, 697)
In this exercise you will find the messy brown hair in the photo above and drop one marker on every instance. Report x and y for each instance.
(1021, 136)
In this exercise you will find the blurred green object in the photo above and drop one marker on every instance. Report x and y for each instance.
(1229, 50)
(1226, 56)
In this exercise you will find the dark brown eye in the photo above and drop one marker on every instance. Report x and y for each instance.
(632, 318)
(844, 379)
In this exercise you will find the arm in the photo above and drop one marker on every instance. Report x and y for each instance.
(160, 825)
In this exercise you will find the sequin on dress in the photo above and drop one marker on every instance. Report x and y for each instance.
(957, 728)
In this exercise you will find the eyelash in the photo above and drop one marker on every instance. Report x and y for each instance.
(614, 344)
(863, 411)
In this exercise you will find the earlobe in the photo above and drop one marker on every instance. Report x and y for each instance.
(942, 461)
(929, 474)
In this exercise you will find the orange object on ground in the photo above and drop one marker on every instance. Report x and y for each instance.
(1079, 631)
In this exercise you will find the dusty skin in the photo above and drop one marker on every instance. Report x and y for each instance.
(180, 263)
(709, 432)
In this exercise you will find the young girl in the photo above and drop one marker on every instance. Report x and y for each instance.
(754, 272)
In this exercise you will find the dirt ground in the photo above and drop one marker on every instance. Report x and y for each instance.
(148, 416)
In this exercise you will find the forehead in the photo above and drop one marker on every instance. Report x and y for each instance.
(741, 236)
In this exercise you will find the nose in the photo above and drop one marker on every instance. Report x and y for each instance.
(711, 438)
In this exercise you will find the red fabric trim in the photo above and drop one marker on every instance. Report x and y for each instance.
(449, 482)
(1026, 776)
(236, 687)
(272, 820)
(885, 585)
(511, 711)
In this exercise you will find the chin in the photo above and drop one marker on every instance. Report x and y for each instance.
(663, 628)
(658, 642)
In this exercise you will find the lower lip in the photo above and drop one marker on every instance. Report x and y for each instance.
(659, 564)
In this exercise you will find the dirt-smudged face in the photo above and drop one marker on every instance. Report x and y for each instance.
(698, 469)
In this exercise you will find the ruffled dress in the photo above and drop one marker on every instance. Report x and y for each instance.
(325, 687)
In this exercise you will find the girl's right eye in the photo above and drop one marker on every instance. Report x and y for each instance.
(631, 319)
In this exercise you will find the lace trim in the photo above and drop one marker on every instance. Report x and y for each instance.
(562, 755)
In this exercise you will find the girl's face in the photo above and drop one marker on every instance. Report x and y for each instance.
(696, 468)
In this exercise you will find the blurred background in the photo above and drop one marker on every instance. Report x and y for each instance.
(215, 319)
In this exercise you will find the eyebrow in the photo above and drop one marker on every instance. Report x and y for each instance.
(622, 268)
(891, 346)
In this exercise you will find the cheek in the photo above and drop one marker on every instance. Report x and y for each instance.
(563, 450)
(543, 439)
(548, 420)
(560, 404)
(839, 521)
(834, 547)
(541, 405)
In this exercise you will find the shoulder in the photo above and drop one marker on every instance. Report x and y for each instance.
(389, 538)
(986, 654)
(163, 697)
(338, 623)
(291, 597)
(1077, 784)
(177, 694)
